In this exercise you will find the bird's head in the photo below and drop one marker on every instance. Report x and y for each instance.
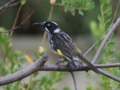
(49, 26)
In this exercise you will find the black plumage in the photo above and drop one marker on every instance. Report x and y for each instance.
(60, 41)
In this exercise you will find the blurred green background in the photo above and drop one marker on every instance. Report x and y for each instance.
(28, 39)
(76, 24)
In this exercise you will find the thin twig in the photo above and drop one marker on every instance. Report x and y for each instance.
(42, 44)
(25, 19)
(11, 5)
(109, 75)
(112, 29)
(115, 13)
(30, 81)
(14, 4)
(6, 51)
(49, 18)
(74, 80)
(92, 46)
(6, 6)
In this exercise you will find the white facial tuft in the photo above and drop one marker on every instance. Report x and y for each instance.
(47, 29)
(57, 30)
(55, 23)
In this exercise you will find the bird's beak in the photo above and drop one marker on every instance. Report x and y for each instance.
(39, 23)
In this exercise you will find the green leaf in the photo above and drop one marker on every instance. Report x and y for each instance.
(23, 2)
(72, 11)
(72, 5)
(65, 9)
(80, 12)
(66, 88)
(89, 87)
(100, 18)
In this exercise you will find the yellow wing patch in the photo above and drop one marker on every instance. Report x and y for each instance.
(60, 53)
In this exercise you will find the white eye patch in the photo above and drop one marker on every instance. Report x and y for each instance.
(48, 24)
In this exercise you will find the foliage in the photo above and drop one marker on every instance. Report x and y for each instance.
(72, 5)
(42, 13)
(15, 58)
(108, 55)
(89, 87)
(23, 2)
(15, 61)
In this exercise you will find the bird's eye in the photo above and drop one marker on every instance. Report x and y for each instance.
(48, 24)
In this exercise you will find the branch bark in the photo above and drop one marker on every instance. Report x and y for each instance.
(9, 4)
(14, 4)
(38, 4)
(38, 66)
(24, 72)
(84, 68)
(112, 29)
(4, 8)
(109, 75)
(92, 46)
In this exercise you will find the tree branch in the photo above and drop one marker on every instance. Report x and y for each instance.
(6, 6)
(92, 46)
(24, 72)
(52, 67)
(109, 75)
(112, 29)
(25, 19)
(14, 4)
(9, 4)
(38, 66)
(84, 68)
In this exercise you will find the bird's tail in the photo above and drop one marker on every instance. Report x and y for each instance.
(88, 63)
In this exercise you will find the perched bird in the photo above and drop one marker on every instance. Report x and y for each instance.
(62, 45)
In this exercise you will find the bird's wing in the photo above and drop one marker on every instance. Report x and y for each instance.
(67, 54)
(64, 43)
(66, 37)
(52, 45)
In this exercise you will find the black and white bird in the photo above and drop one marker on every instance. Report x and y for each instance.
(63, 46)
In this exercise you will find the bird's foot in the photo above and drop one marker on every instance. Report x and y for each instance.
(57, 63)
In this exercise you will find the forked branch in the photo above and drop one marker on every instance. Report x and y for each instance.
(38, 65)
